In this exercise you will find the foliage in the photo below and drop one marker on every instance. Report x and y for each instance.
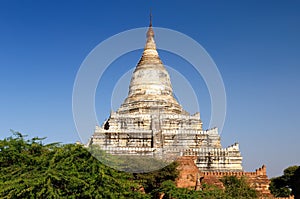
(31, 169)
(131, 164)
(278, 187)
(170, 191)
(234, 188)
(238, 188)
(287, 184)
(295, 183)
(153, 180)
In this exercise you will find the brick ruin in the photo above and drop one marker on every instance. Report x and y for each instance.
(191, 177)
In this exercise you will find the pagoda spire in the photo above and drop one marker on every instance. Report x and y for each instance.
(150, 54)
(150, 24)
(150, 32)
(150, 86)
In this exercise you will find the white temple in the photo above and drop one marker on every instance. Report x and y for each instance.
(151, 122)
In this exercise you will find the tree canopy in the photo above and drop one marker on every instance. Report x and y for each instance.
(287, 184)
(31, 169)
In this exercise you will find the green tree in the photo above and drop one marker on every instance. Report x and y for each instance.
(238, 188)
(131, 164)
(30, 169)
(153, 180)
(295, 183)
(278, 187)
(287, 184)
(169, 191)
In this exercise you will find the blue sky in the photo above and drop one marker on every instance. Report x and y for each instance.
(255, 44)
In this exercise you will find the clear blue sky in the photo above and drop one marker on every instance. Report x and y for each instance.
(255, 44)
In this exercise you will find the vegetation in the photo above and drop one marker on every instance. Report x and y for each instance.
(238, 188)
(235, 188)
(287, 184)
(130, 164)
(31, 169)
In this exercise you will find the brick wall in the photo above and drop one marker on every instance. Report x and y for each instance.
(190, 177)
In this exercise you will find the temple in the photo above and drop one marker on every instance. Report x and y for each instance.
(151, 122)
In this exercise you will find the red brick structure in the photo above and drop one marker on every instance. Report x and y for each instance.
(188, 172)
(191, 177)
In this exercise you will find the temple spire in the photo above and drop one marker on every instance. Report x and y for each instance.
(150, 32)
(150, 24)
(150, 79)
(150, 54)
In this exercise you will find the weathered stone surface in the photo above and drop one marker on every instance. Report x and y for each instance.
(151, 122)
(189, 177)
(189, 174)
